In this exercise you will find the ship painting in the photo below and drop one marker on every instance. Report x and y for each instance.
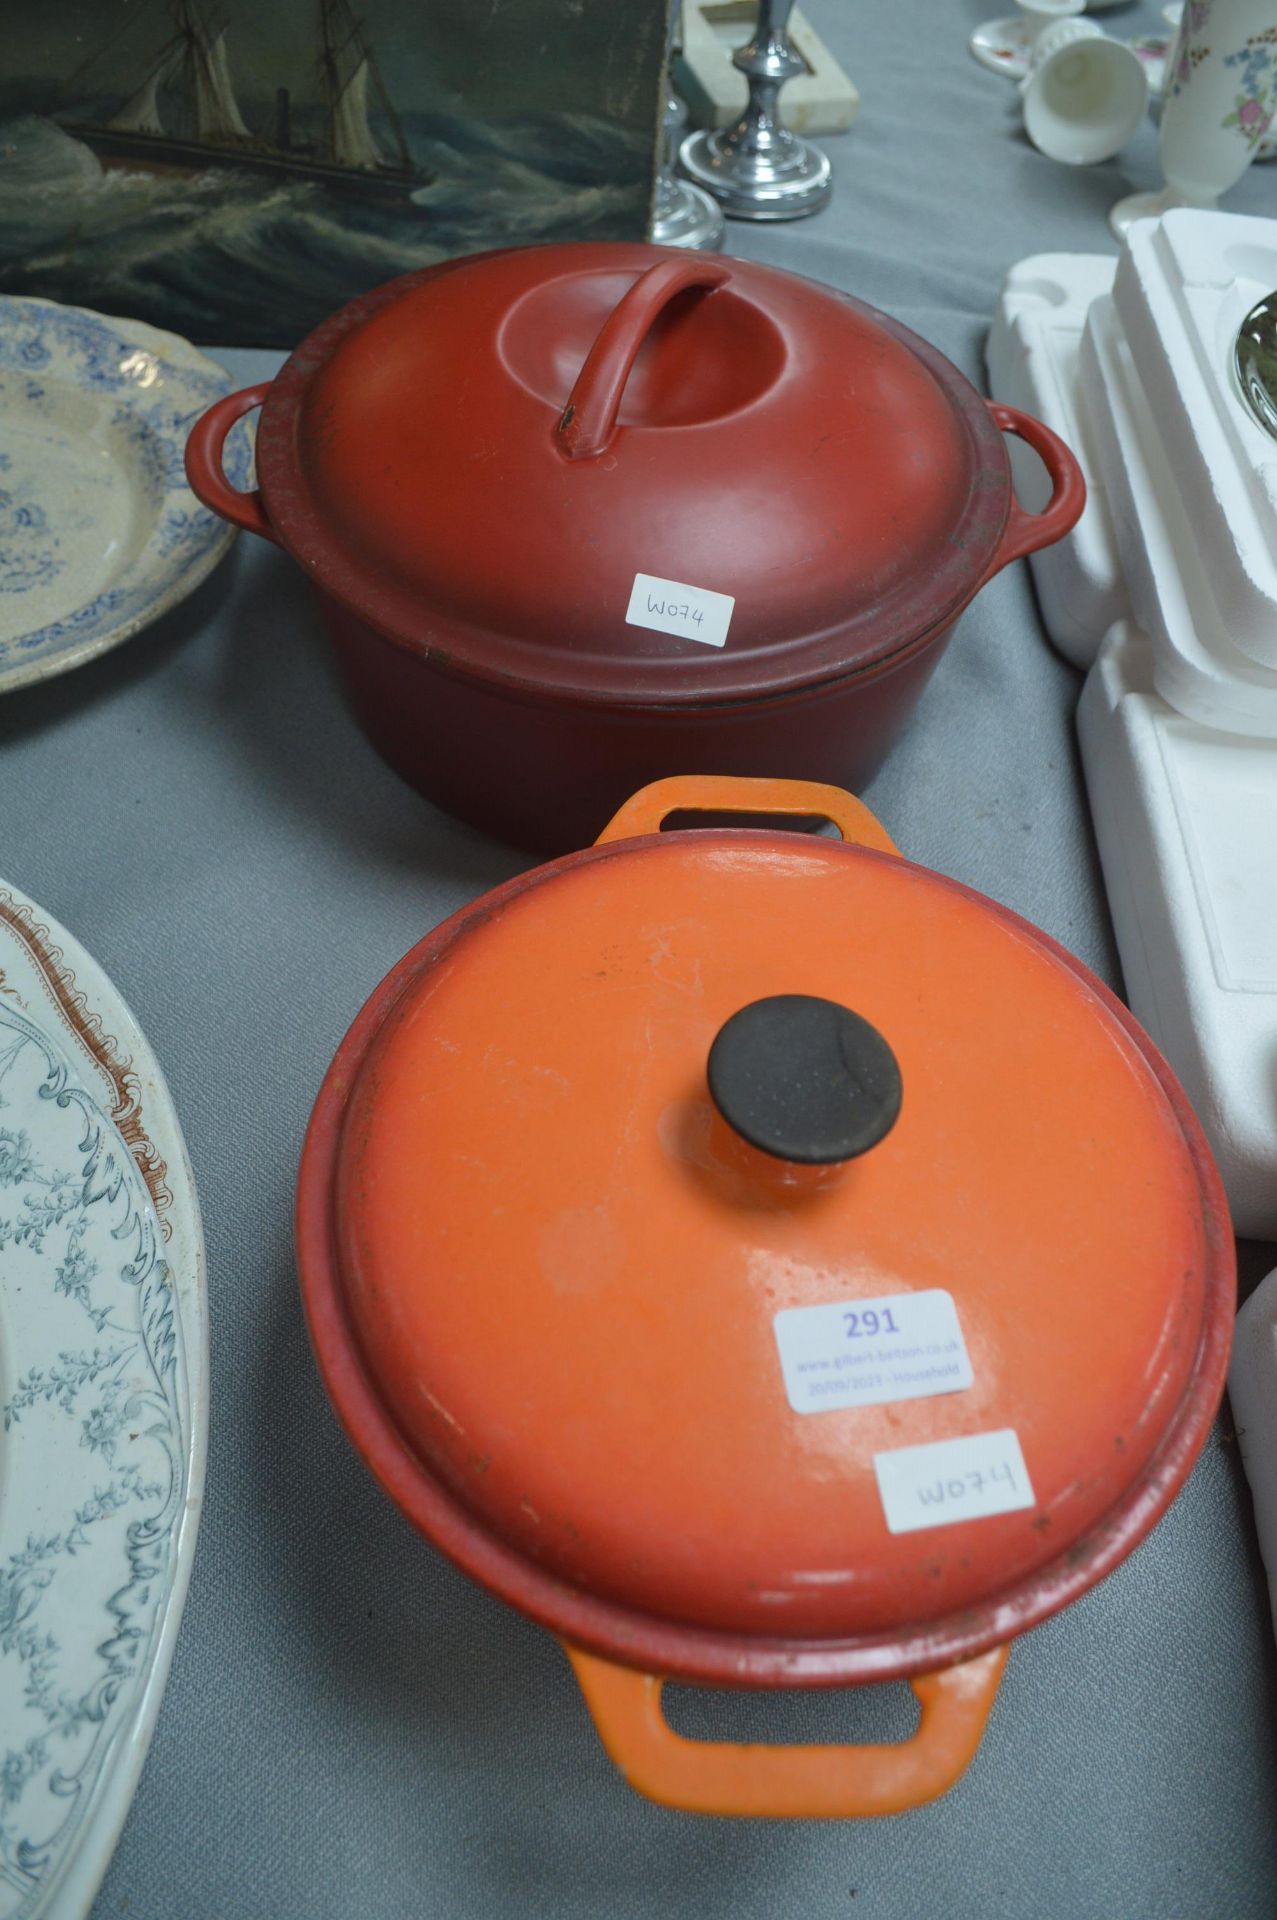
(152, 163)
(184, 117)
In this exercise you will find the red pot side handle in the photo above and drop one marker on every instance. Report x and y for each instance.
(204, 470)
(1026, 532)
(799, 1783)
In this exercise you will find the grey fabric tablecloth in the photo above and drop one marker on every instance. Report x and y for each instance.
(351, 1727)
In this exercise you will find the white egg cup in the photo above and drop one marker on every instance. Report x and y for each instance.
(1085, 94)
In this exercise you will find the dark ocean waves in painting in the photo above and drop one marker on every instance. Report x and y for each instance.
(251, 259)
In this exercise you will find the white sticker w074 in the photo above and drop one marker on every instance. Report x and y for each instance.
(861, 1353)
(945, 1481)
(670, 606)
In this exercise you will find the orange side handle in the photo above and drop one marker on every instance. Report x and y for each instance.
(644, 811)
(796, 1783)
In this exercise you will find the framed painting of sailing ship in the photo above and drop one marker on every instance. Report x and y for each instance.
(235, 171)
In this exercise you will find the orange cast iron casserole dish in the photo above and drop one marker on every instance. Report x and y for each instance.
(545, 1265)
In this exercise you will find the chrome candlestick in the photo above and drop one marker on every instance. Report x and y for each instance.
(683, 215)
(757, 169)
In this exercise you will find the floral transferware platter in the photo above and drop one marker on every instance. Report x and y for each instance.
(99, 532)
(103, 1410)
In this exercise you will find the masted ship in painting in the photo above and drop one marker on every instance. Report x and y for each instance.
(184, 117)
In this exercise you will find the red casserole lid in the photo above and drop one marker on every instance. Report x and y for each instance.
(727, 425)
(761, 1259)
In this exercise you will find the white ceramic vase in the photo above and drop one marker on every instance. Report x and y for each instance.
(1219, 95)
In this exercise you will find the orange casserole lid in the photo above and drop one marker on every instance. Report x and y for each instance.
(685, 1374)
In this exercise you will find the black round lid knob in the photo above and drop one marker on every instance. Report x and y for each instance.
(804, 1079)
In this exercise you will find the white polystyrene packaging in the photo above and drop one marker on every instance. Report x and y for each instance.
(1173, 570)
(1252, 1393)
(1186, 822)
(1032, 357)
(1184, 285)
(1178, 722)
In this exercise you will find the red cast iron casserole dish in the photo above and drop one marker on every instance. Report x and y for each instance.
(481, 465)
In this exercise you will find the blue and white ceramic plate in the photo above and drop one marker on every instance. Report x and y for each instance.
(99, 532)
(103, 1408)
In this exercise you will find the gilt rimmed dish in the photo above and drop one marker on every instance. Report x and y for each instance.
(99, 532)
(103, 1410)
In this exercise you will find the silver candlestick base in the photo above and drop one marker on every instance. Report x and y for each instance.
(757, 169)
(682, 215)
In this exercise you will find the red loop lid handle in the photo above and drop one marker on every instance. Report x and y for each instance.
(589, 419)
